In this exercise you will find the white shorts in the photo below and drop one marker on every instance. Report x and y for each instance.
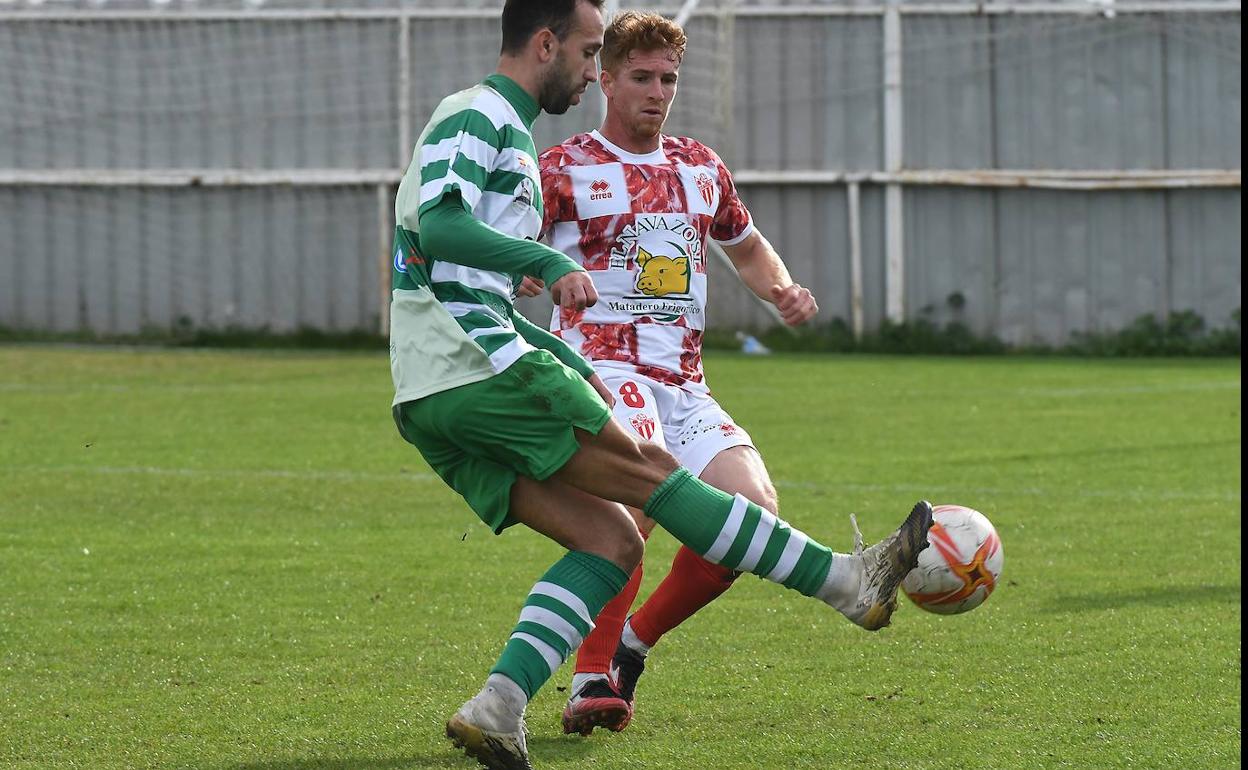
(691, 426)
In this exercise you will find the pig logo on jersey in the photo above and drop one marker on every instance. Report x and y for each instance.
(659, 276)
(707, 188)
(643, 424)
(663, 253)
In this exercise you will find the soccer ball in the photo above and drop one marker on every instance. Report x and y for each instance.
(962, 564)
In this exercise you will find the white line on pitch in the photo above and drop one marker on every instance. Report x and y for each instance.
(313, 475)
(275, 473)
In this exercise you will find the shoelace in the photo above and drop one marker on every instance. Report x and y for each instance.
(858, 544)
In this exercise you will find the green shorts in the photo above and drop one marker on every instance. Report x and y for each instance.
(479, 437)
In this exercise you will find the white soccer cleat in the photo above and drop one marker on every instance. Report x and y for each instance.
(490, 731)
(885, 565)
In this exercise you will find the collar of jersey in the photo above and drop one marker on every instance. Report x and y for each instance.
(652, 158)
(525, 105)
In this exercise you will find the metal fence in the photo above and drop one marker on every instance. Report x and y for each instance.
(1031, 169)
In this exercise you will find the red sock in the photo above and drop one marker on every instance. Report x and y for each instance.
(595, 653)
(692, 584)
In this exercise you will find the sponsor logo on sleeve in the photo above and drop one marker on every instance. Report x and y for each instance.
(401, 264)
(524, 191)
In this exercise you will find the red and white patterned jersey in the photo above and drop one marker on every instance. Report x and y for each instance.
(639, 224)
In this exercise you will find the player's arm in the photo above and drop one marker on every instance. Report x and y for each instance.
(554, 196)
(540, 338)
(764, 273)
(450, 233)
(758, 264)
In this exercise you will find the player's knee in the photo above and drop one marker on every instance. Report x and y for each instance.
(626, 547)
(658, 457)
(634, 548)
(766, 497)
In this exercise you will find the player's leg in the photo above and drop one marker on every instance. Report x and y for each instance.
(692, 582)
(735, 533)
(711, 445)
(558, 612)
(604, 547)
(496, 442)
(538, 419)
(593, 701)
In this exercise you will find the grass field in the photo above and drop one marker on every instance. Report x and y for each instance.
(229, 560)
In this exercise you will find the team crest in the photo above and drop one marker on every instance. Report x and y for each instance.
(643, 424)
(707, 188)
(524, 191)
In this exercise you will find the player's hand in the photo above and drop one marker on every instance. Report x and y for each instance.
(607, 396)
(530, 287)
(795, 303)
(574, 291)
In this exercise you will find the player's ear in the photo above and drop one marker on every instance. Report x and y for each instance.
(545, 44)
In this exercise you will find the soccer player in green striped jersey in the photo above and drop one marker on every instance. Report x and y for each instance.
(518, 423)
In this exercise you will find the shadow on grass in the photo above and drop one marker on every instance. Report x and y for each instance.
(540, 747)
(1161, 596)
(449, 760)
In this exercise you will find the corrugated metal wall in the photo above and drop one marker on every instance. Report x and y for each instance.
(127, 259)
(1045, 91)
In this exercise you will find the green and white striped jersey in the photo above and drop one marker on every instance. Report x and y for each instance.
(450, 324)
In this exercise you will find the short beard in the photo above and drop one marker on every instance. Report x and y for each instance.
(554, 95)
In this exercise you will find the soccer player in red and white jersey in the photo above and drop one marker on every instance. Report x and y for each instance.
(635, 208)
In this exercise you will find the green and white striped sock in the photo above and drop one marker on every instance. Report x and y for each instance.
(735, 533)
(558, 614)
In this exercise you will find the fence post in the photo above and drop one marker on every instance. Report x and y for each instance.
(385, 234)
(894, 222)
(855, 258)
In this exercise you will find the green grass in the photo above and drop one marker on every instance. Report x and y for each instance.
(231, 560)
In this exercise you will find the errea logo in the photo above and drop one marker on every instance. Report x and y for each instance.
(600, 189)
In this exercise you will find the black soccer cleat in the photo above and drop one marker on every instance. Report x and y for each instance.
(626, 668)
(596, 704)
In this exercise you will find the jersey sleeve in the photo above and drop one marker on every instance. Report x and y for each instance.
(458, 155)
(556, 189)
(451, 234)
(732, 223)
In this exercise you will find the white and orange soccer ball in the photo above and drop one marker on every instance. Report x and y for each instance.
(962, 564)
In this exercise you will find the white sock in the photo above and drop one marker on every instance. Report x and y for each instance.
(508, 693)
(632, 642)
(581, 678)
(840, 588)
